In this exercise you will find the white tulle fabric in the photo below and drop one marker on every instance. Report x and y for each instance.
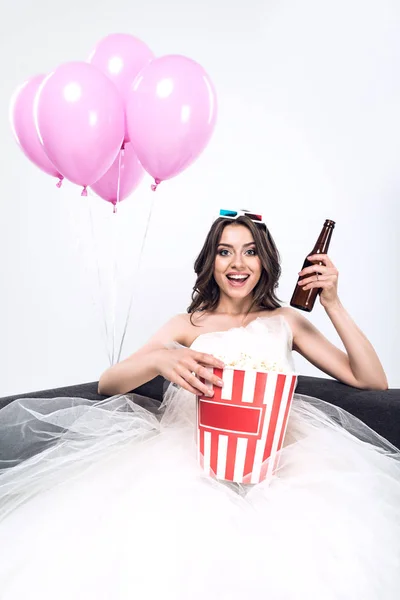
(105, 501)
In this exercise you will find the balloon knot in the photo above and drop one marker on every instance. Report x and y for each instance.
(84, 191)
(114, 208)
(155, 184)
(59, 182)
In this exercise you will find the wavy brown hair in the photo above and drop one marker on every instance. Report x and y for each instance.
(206, 293)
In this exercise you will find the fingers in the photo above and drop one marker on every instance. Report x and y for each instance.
(193, 381)
(312, 270)
(316, 278)
(204, 373)
(320, 284)
(324, 258)
(186, 386)
(318, 275)
(314, 284)
(195, 364)
(191, 369)
(207, 359)
(320, 269)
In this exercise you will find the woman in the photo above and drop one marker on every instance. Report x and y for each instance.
(118, 508)
(221, 301)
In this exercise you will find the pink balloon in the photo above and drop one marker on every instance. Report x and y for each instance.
(80, 120)
(171, 114)
(121, 56)
(122, 178)
(23, 125)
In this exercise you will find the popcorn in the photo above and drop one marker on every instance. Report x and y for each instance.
(246, 361)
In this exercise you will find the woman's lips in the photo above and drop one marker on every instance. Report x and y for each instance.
(237, 281)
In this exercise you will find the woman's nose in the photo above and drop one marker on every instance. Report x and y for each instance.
(237, 260)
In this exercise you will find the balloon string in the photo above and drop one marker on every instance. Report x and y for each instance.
(121, 156)
(101, 292)
(115, 261)
(138, 269)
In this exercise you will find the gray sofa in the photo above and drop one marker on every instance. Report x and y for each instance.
(378, 409)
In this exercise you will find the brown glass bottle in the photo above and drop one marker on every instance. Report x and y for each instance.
(305, 299)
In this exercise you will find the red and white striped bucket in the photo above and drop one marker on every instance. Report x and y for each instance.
(243, 424)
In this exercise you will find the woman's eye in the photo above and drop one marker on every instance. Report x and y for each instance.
(249, 252)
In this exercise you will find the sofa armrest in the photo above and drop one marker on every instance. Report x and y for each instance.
(152, 389)
(378, 409)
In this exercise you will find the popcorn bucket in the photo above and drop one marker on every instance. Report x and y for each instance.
(241, 428)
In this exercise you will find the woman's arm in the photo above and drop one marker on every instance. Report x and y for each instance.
(141, 366)
(183, 366)
(359, 366)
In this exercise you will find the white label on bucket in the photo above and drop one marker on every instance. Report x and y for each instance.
(281, 416)
(249, 386)
(207, 451)
(269, 395)
(227, 378)
(240, 460)
(222, 452)
(270, 388)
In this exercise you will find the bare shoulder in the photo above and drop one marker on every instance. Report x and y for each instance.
(183, 325)
(174, 330)
(181, 328)
(179, 325)
(191, 324)
(182, 319)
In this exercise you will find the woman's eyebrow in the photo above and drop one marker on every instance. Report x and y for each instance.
(244, 245)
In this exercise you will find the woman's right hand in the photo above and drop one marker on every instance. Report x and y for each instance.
(185, 366)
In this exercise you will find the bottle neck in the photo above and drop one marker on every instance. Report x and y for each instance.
(323, 241)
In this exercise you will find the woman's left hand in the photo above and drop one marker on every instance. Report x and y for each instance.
(323, 276)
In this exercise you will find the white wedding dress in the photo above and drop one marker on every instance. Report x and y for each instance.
(106, 501)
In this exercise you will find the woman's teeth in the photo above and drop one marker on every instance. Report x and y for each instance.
(237, 280)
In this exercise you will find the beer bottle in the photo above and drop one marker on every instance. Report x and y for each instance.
(305, 299)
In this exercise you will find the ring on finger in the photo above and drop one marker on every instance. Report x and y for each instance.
(197, 370)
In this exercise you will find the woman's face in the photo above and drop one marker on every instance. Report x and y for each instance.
(237, 267)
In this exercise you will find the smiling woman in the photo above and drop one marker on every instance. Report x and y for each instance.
(239, 257)
(124, 475)
(237, 262)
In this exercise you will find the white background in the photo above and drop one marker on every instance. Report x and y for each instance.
(308, 129)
